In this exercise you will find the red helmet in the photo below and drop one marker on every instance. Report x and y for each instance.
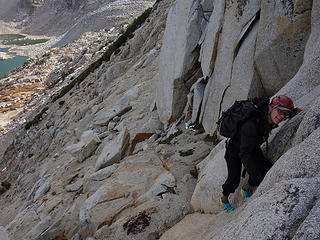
(282, 102)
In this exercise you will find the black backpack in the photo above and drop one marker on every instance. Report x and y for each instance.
(231, 119)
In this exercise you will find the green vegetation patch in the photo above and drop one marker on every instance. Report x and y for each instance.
(6, 184)
(214, 138)
(172, 136)
(10, 36)
(36, 119)
(68, 72)
(24, 42)
(61, 103)
(123, 38)
(186, 153)
(194, 172)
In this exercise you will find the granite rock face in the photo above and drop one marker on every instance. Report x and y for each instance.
(284, 205)
(308, 229)
(165, 182)
(283, 33)
(308, 74)
(177, 58)
(233, 35)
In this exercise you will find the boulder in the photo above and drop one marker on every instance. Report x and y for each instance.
(208, 190)
(152, 125)
(164, 183)
(104, 134)
(114, 71)
(111, 125)
(280, 43)
(129, 95)
(104, 116)
(74, 186)
(103, 173)
(81, 111)
(191, 227)
(177, 58)
(89, 141)
(113, 151)
(273, 215)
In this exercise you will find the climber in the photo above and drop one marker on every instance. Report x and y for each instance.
(244, 148)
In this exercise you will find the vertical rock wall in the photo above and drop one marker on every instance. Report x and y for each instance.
(179, 56)
(281, 40)
(237, 23)
(248, 49)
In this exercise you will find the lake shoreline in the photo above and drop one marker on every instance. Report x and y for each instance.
(32, 52)
(5, 56)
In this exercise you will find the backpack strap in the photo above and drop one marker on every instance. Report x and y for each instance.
(267, 143)
(220, 105)
(244, 171)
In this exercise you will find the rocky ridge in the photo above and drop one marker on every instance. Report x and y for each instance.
(69, 18)
(112, 160)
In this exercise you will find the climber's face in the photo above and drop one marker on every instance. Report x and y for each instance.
(278, 115)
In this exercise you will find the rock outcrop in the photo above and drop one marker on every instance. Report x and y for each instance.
(178, 58)
(123, 155)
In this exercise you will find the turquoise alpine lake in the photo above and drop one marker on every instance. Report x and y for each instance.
(9, 64)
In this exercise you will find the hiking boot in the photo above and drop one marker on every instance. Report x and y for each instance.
(226, 206)
(245, 194)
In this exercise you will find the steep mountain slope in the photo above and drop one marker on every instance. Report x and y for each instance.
(73, 18)
(58, 165)
(111, 157)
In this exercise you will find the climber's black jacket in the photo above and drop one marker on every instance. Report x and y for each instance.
(244, 148)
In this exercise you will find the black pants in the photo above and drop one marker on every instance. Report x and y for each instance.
(256, 169)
